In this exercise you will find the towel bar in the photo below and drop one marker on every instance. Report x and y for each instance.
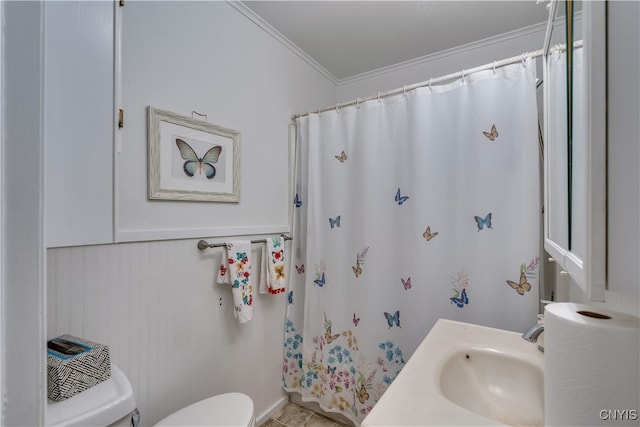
(203, 244)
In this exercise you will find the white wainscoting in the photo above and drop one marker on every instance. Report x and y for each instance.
(169, 327)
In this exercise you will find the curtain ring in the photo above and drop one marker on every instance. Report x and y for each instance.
(337, 109)
(404, 90)
(380, 101)
(358, 103)
(494, 67)
(430, 83)
(463, 75)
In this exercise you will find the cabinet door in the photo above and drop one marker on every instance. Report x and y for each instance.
(78, 122)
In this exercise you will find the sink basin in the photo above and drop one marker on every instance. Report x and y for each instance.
(466, 375)
(495, 385)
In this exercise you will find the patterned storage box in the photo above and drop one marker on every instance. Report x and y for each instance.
(74, 365)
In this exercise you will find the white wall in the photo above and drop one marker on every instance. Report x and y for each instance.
(207, 57)
(155, 303)
(23, 255)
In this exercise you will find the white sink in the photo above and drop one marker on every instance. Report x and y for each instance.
(496, 385)
(465, 374)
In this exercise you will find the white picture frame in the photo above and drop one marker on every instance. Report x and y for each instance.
(191, 160)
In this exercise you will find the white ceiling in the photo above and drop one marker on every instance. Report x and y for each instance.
(348, 38)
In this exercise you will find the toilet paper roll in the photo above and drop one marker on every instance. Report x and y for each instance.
(591, 366)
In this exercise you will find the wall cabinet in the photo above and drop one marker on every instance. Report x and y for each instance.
(78, 122)
(575, 155)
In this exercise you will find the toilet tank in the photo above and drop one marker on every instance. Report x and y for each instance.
(110, 403)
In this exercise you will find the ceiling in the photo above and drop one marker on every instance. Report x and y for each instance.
(348, 38)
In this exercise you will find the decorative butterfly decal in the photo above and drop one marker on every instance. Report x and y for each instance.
(522, 286)
(491, 135)
(296, 201)
(277, 255)
(406, 283)
(320, 281)
(461, 299)
(327, 333)
(290, 297)
(362, 394)
(428, 234)
(481, 222)
(356, 320)
(194, 163)
(357, 269)
(334, 222)
(300, 269)
(342, 157)
(400, 199)
(391, 319)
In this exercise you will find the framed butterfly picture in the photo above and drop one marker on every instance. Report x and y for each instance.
(191, 159)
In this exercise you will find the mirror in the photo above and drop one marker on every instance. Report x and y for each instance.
(575, 131)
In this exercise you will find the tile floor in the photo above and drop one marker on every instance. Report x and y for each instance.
(292, 415)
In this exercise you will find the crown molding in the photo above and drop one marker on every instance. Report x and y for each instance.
(265, 26)
(253, 17)
(448, 52)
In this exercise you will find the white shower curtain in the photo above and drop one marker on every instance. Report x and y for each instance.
(410, 208)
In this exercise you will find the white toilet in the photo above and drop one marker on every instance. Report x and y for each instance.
(228, 409)
(109, 403)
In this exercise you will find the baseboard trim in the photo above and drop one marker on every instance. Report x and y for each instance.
(264, 417)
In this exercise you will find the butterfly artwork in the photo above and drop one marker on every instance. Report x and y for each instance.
(406, 283)
(362, 394)
(393, 319)
(334, 222)
(342, 157)
(300, 268)
(356, 320)
(460, 299)
(522, 286)
(194, 163)
(296, 201)
(320, 280)
(399, 198)
(327, 333)
(290, 297)
(482, 222)
(428, 234)
(491, 135)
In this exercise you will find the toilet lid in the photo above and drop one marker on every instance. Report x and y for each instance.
(229, 409)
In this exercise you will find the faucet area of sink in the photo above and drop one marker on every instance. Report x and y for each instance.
(485, 376)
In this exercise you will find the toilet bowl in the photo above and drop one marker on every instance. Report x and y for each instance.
(228, 409)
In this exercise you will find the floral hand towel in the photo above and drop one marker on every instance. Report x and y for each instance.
(235, 270)
(272, 276)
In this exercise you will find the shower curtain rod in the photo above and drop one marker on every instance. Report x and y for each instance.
(430, 82)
